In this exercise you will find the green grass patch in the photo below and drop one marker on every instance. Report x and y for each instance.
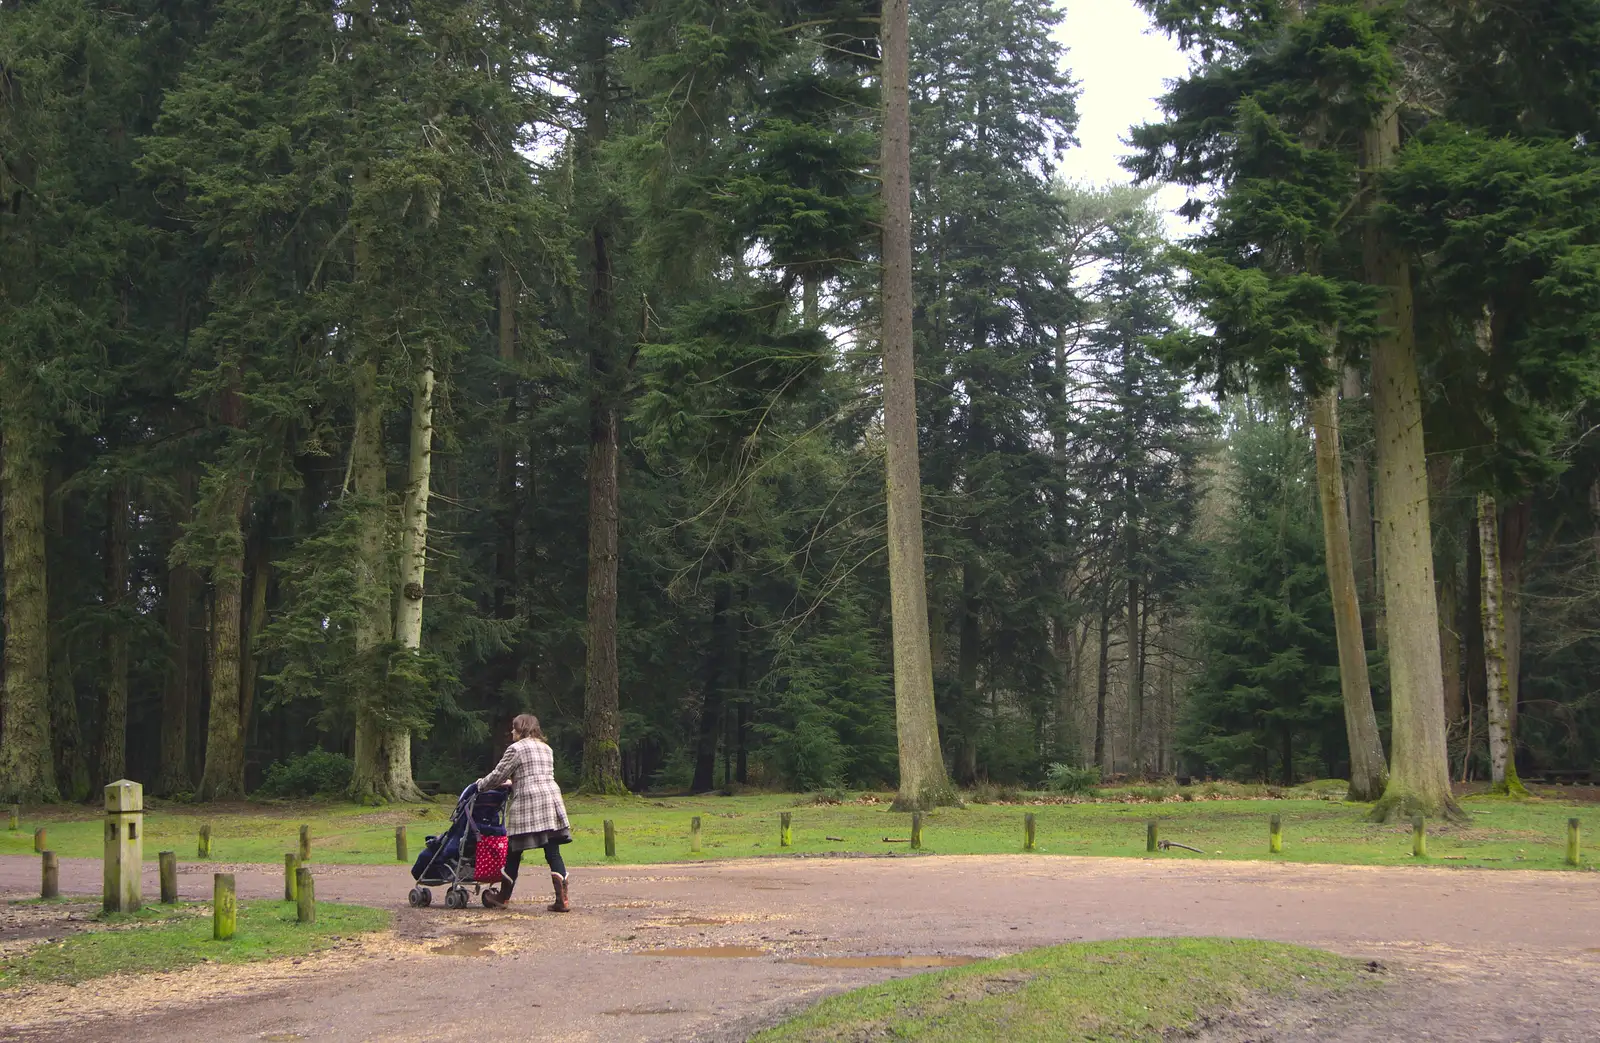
(1503, 834)
(1146, 989)
(167, 937)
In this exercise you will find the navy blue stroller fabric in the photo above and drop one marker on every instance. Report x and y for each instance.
(477, 814)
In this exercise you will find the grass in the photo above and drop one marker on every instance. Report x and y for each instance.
(1147, 989)
(1503, 834)
(171, 937)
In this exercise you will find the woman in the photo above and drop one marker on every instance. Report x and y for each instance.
(537, 818)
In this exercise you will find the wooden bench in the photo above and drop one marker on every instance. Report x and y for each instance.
(430, 787)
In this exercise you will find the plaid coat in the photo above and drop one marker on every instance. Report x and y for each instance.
(536, 804)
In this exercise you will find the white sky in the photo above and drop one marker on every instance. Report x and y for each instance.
(1122, 64)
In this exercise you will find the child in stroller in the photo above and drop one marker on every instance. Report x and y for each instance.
(470, 854)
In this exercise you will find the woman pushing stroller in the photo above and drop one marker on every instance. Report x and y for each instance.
(536, 817)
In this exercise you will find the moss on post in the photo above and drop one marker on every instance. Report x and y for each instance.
(785, 833)
(1275, 843)
(1419, 835)
(916, 831)
(1028, 825)
(16, 815)
(305, 843)
(305, 896)
(291, 867)
(168, 860)
(224, 907)
(1150, 836)
(611, 838)
(203, 849)
(38, 840)
(400, 852)
(1572, 842)
(694, 835)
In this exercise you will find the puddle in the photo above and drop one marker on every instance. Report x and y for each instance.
(719, 952)
(471, 944)
(903, 963)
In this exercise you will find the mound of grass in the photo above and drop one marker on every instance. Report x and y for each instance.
(168, 937)
(1149, 989)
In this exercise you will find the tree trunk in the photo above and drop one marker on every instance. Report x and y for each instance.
(258, 570)
(414, 521)
(969, 649)
(173, 775)
(1368, 772)
(711, 707)
(1102, 682)
(114, 707)
(811, 292)
(1358, 485)
(223, 776)
(26, 756)
(1515, 521)
(923, 782)
(1502, 762)
(602, 713)
(1419, 776)
(505, 565)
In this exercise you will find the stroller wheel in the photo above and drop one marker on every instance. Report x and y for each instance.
(427, 896)
(415, 897)
(456, 898)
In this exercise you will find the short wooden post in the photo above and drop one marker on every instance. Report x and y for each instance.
(305, 843)
(916, 831)
(168, 860)
(1572, 842)
(16, 816)
(400, 853)
(204, 848)
(611, 839)
(305, 896)
(785, 833)
(291, 867)
(224, 907)
(124, 847)
(49, 875)
(1027, 831)
(1276, 842)
(38, 840)
(694, 835)
(1150, 836)
(1419, 835)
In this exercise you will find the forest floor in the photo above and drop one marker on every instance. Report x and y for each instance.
(1501, 834)
(716, 951)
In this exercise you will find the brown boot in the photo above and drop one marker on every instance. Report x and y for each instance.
(559, 882)
(495, 898)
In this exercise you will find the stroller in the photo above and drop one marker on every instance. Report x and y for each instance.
(470, 854)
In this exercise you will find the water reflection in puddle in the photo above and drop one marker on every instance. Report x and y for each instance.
(470, 944)
(902, 963)
(724, 952)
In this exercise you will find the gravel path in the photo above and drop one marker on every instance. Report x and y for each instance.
(1468, 955)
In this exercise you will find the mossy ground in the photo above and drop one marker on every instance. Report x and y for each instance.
(1501, 834)
(1136, 991)
(171, 937)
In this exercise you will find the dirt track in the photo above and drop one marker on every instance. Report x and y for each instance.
(1468, 955)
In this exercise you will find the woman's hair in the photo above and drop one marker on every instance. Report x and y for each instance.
(526, 726)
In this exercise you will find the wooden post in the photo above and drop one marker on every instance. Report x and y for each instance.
(1419, 835)
(694, 835)
(305, 843)
(49, 875)
(785, 833)
(400, 853)
(305, 896)
(611, 839)
(16, 815)
(168, 861)
(1150, 836)
(224, 907)
(38, 840)
(205, 841)
(916, 831)
(1572, 841)
(1027, 831)
(291, 867)
(124, 848)
(1276, 843)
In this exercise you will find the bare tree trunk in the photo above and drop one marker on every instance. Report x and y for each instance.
(923, 782)
(1419, 776)
(1102, 682)
(1515, 521)
(505, 566)
(1502, 764)
(258, 571)
(414, 520)
(114, 706)
(26, 756)
(223, 776)
(711, 706)
(173, 776)
(811, 309)
(1368, 771)
(1358, 483)
(1135, 677)
(602, 714)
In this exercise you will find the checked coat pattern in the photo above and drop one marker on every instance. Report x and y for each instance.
(536, 805)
